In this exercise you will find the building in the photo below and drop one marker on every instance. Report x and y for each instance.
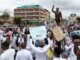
(32, 13)
(72, 18)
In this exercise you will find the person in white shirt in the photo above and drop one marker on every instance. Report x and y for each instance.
(17, 40)
(69, 48)
(7, 54)
(41, 52)
(24, 30)
(24, 54)
(28, 46)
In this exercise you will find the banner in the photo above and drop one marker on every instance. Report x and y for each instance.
(58, 33)
(38, 33)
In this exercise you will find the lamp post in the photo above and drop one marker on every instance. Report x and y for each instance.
(25, 16)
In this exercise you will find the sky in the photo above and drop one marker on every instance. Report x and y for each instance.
(67, 7)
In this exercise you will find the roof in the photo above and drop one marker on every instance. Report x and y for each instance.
(30, 6)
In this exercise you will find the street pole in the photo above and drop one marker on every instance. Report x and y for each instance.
(39, 15)
(25, 17)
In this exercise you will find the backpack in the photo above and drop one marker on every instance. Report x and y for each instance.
(17, 43)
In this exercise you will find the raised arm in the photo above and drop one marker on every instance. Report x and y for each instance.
(45, 49)
(53, 9)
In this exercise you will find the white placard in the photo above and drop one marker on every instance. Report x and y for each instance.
(38, 33)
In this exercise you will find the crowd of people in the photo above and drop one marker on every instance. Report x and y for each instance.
(17, 44)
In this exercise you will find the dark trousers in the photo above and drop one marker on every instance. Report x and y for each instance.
(15, 54)
(33, 58)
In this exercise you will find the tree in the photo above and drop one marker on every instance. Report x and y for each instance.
(27, 22)
(5, 15)
(17, 20)
(1, 22)
(78, 18)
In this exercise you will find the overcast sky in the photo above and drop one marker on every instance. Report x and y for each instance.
(66, 6)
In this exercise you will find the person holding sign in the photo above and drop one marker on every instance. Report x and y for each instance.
(41, 52)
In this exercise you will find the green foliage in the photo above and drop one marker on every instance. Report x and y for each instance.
(17, 20)
(27, 22)
(5, 15)
(78, 18)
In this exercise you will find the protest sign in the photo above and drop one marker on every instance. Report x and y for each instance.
(58, 33)
(50, 53)
(38, 33)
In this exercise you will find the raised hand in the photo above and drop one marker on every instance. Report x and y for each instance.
(53, 9)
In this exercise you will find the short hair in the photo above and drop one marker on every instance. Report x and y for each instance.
(5, 45)
(10, 29)
(58, 43)
(23, 45)
(57, 51)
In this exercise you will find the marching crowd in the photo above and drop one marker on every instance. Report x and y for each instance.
(17, 44)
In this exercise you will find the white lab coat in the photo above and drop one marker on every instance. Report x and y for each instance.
(8, 54)
(60, 58)
(24, 55)
(28, 45)
(41, 53)
(13, 44)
